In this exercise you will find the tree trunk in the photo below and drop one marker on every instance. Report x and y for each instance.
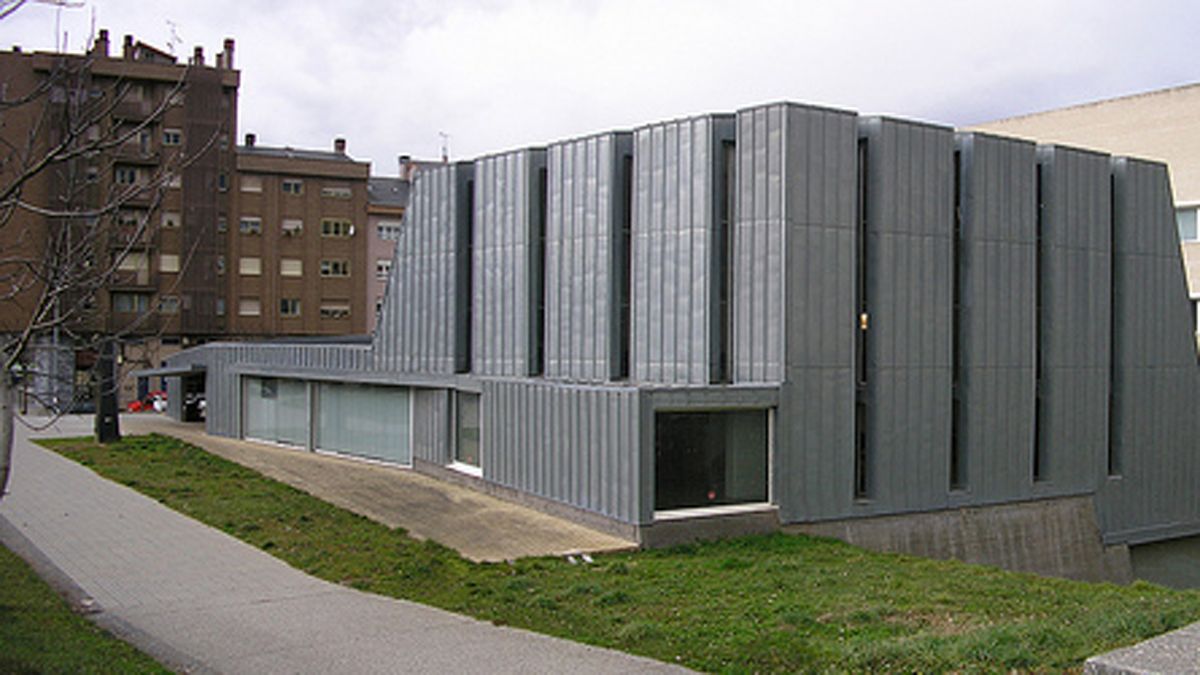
(108, 421)
(7, 411)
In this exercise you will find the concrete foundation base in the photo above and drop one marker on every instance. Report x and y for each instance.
(588, 519)
(675, 531)
(1051, 537)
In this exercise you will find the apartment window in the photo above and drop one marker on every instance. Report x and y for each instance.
(220, 264)
(222, 140)
(220, 308)
(383, 267)
(134, 261)
(170, 219)
(127, 218)
(378, 305)
(172, 137)
(175, 181)
(125, 175)
(291, 267)
(250, 226)
(249, 307)
(289, 307)
(250, 266)
(168, 262)
(129, 303)
(335, 268)
(222, 181)
(388, 230)
(292, 227)
(92, 173)
(1186, 220)
(222, 224)
(169, 304)
(336, 191)
(335, 309)
(336, 227)
(250, 183)
(292, 186)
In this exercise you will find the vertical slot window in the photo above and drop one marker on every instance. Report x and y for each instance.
(466, 273)
(958, 467)
(862, 323)
(1039, 454)
(1114, 447)
(537, 285)
(624, 268)
(722, 267)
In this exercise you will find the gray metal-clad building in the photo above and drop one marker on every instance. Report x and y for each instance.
(785, 315)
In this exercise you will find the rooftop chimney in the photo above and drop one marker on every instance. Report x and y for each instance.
(250, 139)
(339, 145)
(229, 53)
(198, 56)
(406, 168)
(127, 48)
(100, 46)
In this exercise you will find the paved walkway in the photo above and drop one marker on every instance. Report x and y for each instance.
(480, 527)
(1174, 652)
(201, 601)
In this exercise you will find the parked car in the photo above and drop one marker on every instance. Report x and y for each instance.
(155, 400)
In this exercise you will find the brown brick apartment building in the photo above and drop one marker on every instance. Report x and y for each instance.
(298, 261)
(139, 157)
(206, 239)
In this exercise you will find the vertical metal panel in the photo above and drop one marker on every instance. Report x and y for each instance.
(582, 232)
(997, 263)
(757, 247)
(431, 425)
(674, 223)
(567, 443)
(792, 293)
(1076, 286)
(909, 230)
(420, 327)
(505, 238)
(1155, 377)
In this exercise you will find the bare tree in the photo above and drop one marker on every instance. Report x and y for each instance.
(85, 166)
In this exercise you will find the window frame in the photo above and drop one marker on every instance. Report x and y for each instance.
(250, 225)
(289, 308)
(337, 228)
(336, 268)
(249, 266)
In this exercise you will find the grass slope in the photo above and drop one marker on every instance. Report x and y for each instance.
(40, 634)
(768, 603)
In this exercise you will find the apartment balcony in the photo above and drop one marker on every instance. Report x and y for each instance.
(133, 110)
(134, 281)
(135, 154)
(129, 238)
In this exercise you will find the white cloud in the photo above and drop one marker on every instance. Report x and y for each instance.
(496, 75)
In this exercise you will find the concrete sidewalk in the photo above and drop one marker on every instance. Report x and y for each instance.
(478, 526)
(202, 601)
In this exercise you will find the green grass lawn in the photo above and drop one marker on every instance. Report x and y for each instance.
(766, 603)
(40, 634)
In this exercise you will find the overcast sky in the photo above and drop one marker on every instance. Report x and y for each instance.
(496, 75)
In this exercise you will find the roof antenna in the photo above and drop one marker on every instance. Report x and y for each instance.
(445, 147)
(174, 39)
